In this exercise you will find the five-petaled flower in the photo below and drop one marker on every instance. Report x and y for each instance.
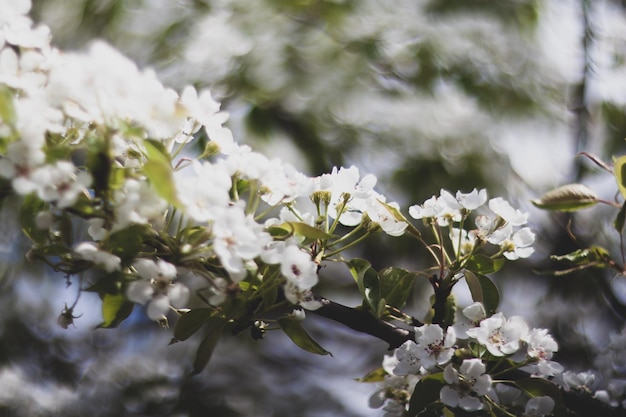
(466, 386)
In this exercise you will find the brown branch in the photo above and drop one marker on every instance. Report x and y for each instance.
(364, 322)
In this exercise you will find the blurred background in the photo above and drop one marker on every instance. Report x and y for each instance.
(425, 94)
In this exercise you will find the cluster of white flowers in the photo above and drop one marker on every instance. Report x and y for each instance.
(499, 223)
(100, 102)
(464, 353)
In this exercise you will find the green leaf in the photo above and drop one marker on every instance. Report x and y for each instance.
(303, 229)
(368, 283)
(207, 346)
(570, 197)
(396, 285)
(482, 264)
(159, 171)
(594, 255)
(299, 336)
(115, 309)
(483, 290)
(358, 267)
(425, 393)
(619, 171)
(100, 164)
(377, 375)
(192, 321)
(620, 219)
(28, 213)
(128, 242)
(371, 291)
(7, 109)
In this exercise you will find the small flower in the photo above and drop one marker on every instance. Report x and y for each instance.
(435, 348)
(503, 209)
(472, 200)
(90, 252)
(303, 298)
(237, 238)
(381, 213)
(540, 344)
(408, 359)
(296, 265)
(514, 245)
(469, 318)
(157, 288)
(500, 336)
(465, 387)
(539, 407)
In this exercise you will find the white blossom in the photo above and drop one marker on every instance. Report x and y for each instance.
(468, 318)
(237, 238)
(408, 359)
(500, 336)
(90, 252)
(541, 345)
(539, 406)
(205, 191)
(511, 215)
(466, 385)
(435, 347)
(157, 288)
(296, 265)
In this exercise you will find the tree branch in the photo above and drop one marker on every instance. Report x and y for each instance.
(577, 404)
(364, 322)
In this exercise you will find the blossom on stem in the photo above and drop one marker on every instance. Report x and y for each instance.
(539, 407)
(541, 345)
(296, 265)
(466, 385)
(90, 252)
(237, 238)
(500, 336)
(504, 210)
(157, 288)
(435, 347)
(469, 318)
(514, 245)
(408, 359)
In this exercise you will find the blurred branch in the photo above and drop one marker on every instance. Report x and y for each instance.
(580, 106)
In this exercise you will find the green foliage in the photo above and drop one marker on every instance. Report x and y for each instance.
(377, 375)
(128, 242)
(159, 171)
(482, 264)
(426, 392)
(28, 214)
(569, 197)
(302, 229)
(369, 285)
(7, 108)
(595, 256)
(396, 285)
(483, 290)
(207, 346)
(619, 171)
(618, 224)
(299, 335)
(115, 309)
(190, 322)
